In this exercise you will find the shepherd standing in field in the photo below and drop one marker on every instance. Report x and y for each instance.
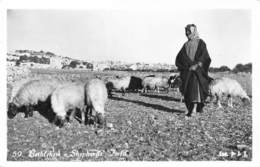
(193, 63)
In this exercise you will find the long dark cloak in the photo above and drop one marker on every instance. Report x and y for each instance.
(183, 63)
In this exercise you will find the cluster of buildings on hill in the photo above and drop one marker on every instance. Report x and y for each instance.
(41, 59)
(36, 59)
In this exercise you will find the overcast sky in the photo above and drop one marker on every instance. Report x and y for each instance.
(131, 36)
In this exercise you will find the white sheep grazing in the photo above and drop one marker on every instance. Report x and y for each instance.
(26, 95)
(118, 84)
(229, 87)
(95, 99)
(155, 83)
(16, 86)
(68, 98)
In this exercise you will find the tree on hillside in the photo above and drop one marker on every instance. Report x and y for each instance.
(248, 67)
(224, 68)
(89, 66)
(213, 69)
(23, 58)
(50, 53)
(243, 68)
(73, 64)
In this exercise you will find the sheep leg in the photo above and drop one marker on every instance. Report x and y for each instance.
(109, 92)
(30, 111)
(123, 91)
(27, 111)
(87, 115)
(83, 116)
(95, 120)
(167, 90)
(73, 112)
(146, 90)
(219, 104)
(231, 102)
(178, 90)
(67, 116)
(218, 101)
(91, 116)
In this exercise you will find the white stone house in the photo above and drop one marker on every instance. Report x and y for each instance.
(56, 62)
(100, 67)
(134, 67)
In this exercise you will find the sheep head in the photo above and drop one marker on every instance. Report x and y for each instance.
(246, 99)
(100, 120)
(171, 81)
(12, 110)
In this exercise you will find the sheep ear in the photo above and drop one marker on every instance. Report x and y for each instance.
(246, 99)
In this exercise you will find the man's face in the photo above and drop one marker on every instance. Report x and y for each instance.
(187, 32)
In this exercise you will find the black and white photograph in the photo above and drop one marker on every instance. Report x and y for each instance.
(139, 84)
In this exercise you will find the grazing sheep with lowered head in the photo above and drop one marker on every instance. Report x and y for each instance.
(155, 83)
(229, 87)
(175, 83)
(68, 98)
(26, 97)
(118, 84)
(95, 99)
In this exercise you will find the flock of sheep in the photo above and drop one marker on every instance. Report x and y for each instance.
(65, 99)
(62, 98)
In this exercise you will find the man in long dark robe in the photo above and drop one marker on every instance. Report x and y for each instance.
(193, 63)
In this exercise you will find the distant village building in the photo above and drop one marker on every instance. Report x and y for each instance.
(146, 67)
(12, 57)
(10, 63)
(100, 67)
(34, 65)
(133, 67)
(80, 65)
(173, 67)
(26, 64)
(56, 62)
(17, 53)
(66, 61)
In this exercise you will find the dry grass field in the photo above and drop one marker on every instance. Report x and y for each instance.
(140, 127)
